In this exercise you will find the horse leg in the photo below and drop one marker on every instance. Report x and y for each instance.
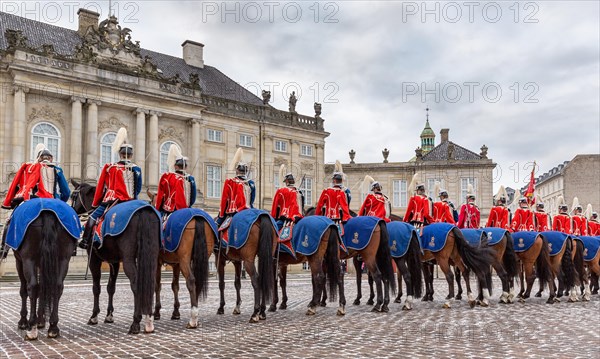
(458, 285)
(539, 292)
(41, 314)
(342, 302)
(31, 275)
(251, 271)
(190, 282)
(283, 281)
(53, 330)
(323, 302)
(275, 299)
(95, 265)
(499, 268)
(445, 267)
(401, 273)
(377, 277)
(530, 278)
(318, 280)
(23, 293)
(521, 280)
(238, 285)
(157, 289)
(403, 268)
(371, 291)
(110, 289)
(220, 261)
(129, 268)
(426, 271)
(175, 288)
(358, 270)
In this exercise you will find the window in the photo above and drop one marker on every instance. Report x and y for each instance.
(215, 135)
(281, 146)
(276, 182)
(164, 154)
(245, 140)
(307, 188)
(106, 153)
(213, 181)
(306, 150)
(47, 134)
(464, 183)
(399, 193)
(431, 187)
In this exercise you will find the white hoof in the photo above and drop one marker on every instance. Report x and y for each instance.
(311, 311)
(32, 334)
(485, 303)
(447, 305)
(148, 324)
(236, 310)
(341, 310)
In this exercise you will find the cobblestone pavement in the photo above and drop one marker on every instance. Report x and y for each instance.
(533, 329)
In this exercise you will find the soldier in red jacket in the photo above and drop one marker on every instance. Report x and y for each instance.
(562, 221)
(333, 202)
(443, 210)
(594, 225)
(579, 222)
(523, 218)
(499, 215)
(177, 189)
(238, 192)
(469, 216)
(376, 204)
(542, 219)
(419, 210)
(288, 202)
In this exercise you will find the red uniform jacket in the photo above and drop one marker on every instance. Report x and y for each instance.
(287, 203)
(542, 221)
(593, 228)
(333, 204)
(562, 223)
(442, 212)
(237, 196)
(17, 187)
(469, 216)
(579, 225)
(419, 210)
(377, 205)
(499, 217)
(118, 181)
(174, 192)
(523, 220)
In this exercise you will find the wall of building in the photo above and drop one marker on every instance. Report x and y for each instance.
(582, 180)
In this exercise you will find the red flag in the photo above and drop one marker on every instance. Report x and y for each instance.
(531, 188)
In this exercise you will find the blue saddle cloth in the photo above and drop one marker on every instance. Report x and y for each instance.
(241, 223)
(400, 235)
(591, 246)
(308, 232)
(556, 241)
(434, 236)
(494, 235)
(474, 236)
(30, 210)
(118, 217)
(177, 222)
(523, 240)
(358, 231)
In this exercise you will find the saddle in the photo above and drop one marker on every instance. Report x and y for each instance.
(224, 229)
(98, 225)
(285, 237)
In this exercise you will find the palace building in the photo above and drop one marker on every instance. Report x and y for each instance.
(72, 89)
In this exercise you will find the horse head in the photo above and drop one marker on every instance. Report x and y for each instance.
(151, 195)
(82, 197)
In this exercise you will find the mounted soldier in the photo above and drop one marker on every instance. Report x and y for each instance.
(419, 210)
(593, 224)
(288, 202)
(334, 201)
(39, 179)
(376, 203)
(523, 218)
(118, 182)
(579, 221)
(443, 210)
(542, 219)
(470, 215)
(499, 214)
(176, 188)
(562, 221)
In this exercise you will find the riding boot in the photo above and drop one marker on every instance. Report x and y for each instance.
(88, 234)
(3, 247)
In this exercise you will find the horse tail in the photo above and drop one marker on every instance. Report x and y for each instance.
(265, 257)
(332, 261)
(579, 262)
(509, 260)
(566, 265)
(49, 261)
(148, 238)
(415, 266)
(200, 259)
(384, 257)
(477, 259)
(542, 264)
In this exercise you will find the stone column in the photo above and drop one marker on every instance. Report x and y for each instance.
(140, 139)
(76, 137)
(92, 162)
(19, 123)
(195, 166)
(153, 150)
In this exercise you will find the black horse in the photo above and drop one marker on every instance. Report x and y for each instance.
(137, 247)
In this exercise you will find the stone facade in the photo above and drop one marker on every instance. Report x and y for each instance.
(85, 83)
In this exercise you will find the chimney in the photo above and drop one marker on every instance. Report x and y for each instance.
(444, 134)
(193, 53)
(87, 18)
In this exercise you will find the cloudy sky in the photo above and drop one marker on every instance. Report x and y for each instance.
(521, 78)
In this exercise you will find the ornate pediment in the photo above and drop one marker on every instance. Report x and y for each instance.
(170, 133)
(278, 161)
(306, 166)
(45, 113)
(112, 123)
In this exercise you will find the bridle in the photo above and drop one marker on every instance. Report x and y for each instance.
(76, 195)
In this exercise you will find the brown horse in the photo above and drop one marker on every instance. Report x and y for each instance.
(42, 262)
(587, 264)
(563, 268)
(326, 256)
(137, 247)
(262, 243)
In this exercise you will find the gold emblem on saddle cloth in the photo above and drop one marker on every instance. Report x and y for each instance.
(305, 241)
(112, 221)
(393, 247)
(521, 244)
(549, 246)
(355, 238)
(235, 234)
(432, 242)
(585, 252)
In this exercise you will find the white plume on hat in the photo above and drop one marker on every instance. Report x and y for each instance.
(282, 173)
(560, 201)
(38, 149)
(366, 185)
(437, 188)
(501, 193)
(470, 191)
(575, 204)
(173, 156)
(237, 159)
(119, 140)
(412, 186)
(588, 211)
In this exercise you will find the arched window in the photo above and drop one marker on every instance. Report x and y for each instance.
(164, 153)
(106, 153)
(47, 134)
